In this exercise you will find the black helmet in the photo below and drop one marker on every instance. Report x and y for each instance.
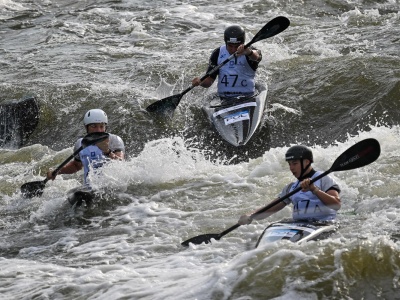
(299, 152)
(234, 34)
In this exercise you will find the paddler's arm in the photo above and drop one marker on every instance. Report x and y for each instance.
(248, 218)
(70, 168)
(252, 53)
(116, 154)
(206, 83)
(330, 198)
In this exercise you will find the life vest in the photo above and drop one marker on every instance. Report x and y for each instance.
(92, 158)
(307, 206)
(236, 77)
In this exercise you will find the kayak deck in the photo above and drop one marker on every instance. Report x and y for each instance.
(296, 232)
(236, 119)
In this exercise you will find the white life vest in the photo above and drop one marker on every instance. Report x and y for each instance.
(236, 77)
(308, 206)
(92, 158)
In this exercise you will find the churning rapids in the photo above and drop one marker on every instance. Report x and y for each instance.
(333, 79)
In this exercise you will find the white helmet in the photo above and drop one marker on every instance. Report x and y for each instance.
(95, 116)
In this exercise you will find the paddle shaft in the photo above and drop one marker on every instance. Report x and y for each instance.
(280, 23)
(273, 203)
(215, 69)
(64, 163)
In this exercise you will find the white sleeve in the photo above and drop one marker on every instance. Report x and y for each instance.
(116, 143)
(78, 143)
(285, 191)
(328, 183)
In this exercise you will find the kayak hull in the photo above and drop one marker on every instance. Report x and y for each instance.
(296, 232)
(237, 119)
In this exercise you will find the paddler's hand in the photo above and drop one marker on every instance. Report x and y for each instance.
(306, 185)
(241, 50)
(50, 176)
(196, 81)
(245, 220)
(104, 145)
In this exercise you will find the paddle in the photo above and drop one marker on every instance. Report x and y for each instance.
(167, 105)
(357, 156)
(35, 188)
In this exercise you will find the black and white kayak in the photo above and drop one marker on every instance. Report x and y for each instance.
(81, 196)
(296, 232)
(87, 197)
(236, 119)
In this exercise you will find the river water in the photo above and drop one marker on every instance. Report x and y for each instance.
(333, 79)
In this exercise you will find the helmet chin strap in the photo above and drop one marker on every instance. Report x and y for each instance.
(303, 169)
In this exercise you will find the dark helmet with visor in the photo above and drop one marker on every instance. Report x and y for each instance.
(234, 35)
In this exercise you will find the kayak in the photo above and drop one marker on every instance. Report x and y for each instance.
(81, 196)
(87, 197)
(296, 232)
(18, 119)
(236, 119)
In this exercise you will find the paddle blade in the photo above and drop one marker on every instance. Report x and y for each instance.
(94, 138)
(204, 238)
(165, 107)
(361, 154)
(32, 189)
(270, 29)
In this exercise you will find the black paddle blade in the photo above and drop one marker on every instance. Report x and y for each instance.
(270, 29)
(361, 154)
(165, 107)
(94, 138)
(204, 238)
(32, 189)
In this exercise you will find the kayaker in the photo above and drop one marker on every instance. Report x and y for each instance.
(95, 120)
(318, 201)
(237, 77)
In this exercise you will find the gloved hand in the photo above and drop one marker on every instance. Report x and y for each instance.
(245, 220)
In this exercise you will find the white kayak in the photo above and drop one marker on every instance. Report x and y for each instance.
(296, 232)
(236, 119)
